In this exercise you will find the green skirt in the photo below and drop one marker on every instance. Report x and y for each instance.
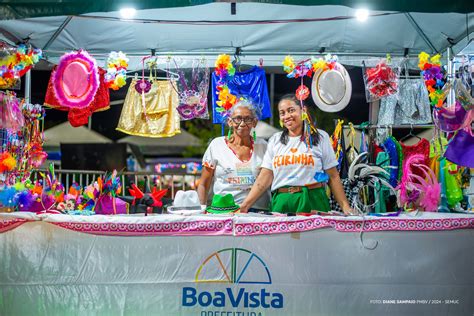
(304, 201)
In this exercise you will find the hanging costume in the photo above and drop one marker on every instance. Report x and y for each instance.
(80, 116)
(410, 105)
(250, 84)
(192, 88)
(157, 117)
(421, 148)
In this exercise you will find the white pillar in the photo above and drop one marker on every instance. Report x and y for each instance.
(28, 86)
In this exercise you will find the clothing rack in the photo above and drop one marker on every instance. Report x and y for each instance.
(371, 128)
(401, 126)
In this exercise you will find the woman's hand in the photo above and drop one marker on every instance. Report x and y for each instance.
(244, 208)
(349, 211)
(263, 182)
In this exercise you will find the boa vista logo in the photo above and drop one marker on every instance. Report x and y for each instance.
(235, 266)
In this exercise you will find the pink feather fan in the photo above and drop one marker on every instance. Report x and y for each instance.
(420, 191)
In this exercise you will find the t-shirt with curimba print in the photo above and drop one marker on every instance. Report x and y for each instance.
(293, 164)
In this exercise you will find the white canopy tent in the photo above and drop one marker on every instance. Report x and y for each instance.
(259, 30)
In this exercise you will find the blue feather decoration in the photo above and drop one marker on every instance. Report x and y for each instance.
(7, 197)
(25, 200)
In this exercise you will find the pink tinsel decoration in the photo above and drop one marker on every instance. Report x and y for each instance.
(86, 98)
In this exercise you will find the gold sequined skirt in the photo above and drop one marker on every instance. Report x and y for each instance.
(158, 118)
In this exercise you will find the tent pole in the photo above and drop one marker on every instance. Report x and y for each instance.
(449, 53)
(28, 86)
(272, 96)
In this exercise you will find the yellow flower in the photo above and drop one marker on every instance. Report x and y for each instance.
(226, 98)
(123, 63)
(288, 62)
(120, 81)
(223, 61)
(28, 60)
(435, 59)
(423, 57)
(319, 64)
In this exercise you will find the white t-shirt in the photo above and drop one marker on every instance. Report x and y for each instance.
(293, 164)
(231, 175)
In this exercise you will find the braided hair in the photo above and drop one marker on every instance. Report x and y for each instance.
(315, 136)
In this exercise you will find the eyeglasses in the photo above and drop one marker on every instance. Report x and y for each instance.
(238, 119)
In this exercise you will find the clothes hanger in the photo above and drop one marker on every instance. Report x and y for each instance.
(406, 71)
(173, 75)
(237, 62)
(410, 135)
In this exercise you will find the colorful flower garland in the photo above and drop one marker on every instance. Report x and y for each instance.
(117, 64)
(225, 71)
(17, 64)
(434, 76)
(300, 70)
(306, 68)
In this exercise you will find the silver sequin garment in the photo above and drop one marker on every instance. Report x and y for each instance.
(410, 105)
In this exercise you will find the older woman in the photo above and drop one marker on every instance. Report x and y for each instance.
(231, 164)
(297, 174)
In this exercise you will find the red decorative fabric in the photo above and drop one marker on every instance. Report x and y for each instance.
(79, 117)
(423, 148)
(377, 150)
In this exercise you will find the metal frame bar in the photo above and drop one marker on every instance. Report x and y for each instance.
(8, 35)
(420, 31)
(244, 54)
(405, 126)
(58, 31)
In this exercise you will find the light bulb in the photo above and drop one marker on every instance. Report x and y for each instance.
(362, 14)
(128, 13)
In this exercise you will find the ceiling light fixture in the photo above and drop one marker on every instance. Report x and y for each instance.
(128, 13)
(362, 14)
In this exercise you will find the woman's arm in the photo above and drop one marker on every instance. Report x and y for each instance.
(205, 184)
(263, 182)
(338, 191)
